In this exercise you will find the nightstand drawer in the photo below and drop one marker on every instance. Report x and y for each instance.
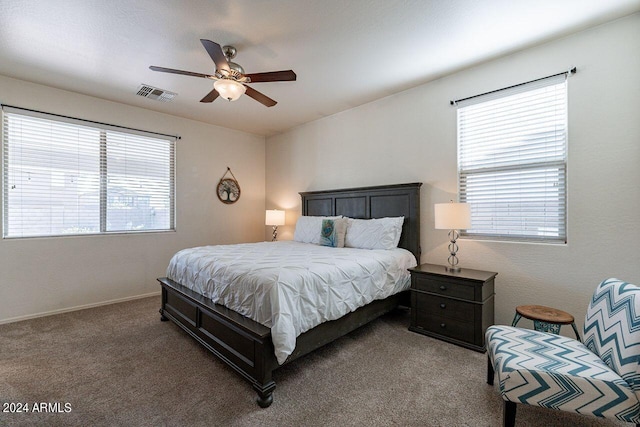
(433, 305)
(442, 287)
(450, 328)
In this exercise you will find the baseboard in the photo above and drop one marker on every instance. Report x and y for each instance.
(76, 308)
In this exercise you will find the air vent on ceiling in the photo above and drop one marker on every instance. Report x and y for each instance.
(155, 93)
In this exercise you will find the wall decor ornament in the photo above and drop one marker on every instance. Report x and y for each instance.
(228, 188)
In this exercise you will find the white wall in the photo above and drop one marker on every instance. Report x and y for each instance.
(45, 275)
(411, 136)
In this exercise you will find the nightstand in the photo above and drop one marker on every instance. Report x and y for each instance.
(454, 307)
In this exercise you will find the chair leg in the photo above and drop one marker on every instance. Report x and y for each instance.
(490, 373)
(509, 414)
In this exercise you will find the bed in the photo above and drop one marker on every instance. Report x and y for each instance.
(246, 345)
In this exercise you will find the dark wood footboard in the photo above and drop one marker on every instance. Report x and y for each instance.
(246, 345)
(241, 343)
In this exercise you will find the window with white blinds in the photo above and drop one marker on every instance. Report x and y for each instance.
(512, 161)
(65, 176)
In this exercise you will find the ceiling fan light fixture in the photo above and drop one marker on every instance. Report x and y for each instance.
(229, 89)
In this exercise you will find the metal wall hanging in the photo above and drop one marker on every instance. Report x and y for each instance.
(228, 188)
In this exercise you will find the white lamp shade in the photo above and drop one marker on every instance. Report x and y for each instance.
(229, 89)
(274, 217)
(452, 216)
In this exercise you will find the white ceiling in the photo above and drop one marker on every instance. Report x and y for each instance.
(345, 52)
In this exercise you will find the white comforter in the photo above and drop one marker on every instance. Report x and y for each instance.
(288, 286)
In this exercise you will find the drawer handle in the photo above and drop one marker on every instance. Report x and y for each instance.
(443, 288)
(443, 325)
(443, 305)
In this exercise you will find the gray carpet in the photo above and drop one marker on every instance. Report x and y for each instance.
(114, 366)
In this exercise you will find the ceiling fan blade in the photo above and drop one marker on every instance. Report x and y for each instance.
(215, 52)
(174, 71)
(272, 76)
(211, 96)
(260, 97)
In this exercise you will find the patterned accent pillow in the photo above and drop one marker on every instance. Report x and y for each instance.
(308, 227)
(379, 233)
(333, 232)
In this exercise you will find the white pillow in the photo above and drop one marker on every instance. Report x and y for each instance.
(308, 228)
(379, 233)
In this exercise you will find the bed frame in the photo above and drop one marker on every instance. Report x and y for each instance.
(246, 345)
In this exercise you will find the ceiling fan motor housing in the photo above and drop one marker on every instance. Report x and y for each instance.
(230, 52)
(236, 70)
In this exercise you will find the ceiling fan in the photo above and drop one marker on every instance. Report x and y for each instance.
(230, 78)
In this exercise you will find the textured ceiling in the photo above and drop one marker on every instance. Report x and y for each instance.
(345, 53)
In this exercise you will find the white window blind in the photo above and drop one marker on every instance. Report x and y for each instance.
(63, 176)
(512, 158)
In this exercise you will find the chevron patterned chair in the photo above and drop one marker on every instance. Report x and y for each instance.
(600, 377)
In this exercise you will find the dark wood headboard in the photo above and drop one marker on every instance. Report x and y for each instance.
(372, 202)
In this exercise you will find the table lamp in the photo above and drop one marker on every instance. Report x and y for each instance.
(274, 217)
(453, 217)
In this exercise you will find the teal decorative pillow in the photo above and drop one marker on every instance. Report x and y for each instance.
(307, 228)
(332, 233)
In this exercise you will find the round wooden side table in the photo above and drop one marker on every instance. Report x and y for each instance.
(545, 319)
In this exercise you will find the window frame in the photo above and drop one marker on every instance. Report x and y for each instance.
(102, 171)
